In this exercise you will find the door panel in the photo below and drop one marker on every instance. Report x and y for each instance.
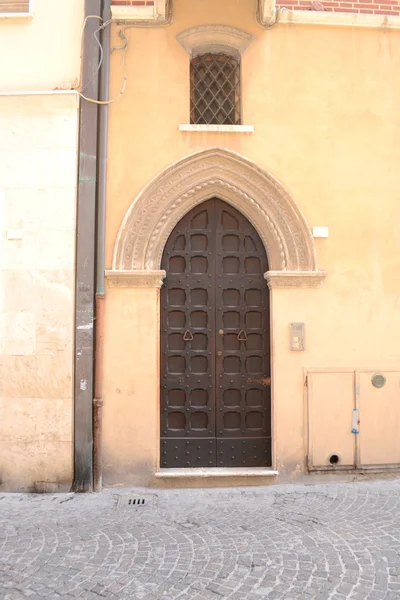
(330, 408)
(215, 394)
(187, 348)
(379, 410)
(243, 418)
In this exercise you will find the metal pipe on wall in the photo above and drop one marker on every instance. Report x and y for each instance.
(85, 257)
(100, 248)
(90, 247)
(98, 397)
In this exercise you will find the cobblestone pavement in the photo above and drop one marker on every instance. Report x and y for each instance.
(319, 542)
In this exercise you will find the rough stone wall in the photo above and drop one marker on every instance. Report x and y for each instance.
(38, 173)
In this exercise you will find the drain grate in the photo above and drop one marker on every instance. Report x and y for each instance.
(136, 500)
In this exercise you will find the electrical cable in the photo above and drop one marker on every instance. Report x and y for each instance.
(125, 81)
(82, 34)
(101, 58)
(123, 48)
(90, 17)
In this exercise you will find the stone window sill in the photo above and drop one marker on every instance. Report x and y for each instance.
(218, 128)
(133, 13)
(215, 472)
(19, 15)
(337, 19)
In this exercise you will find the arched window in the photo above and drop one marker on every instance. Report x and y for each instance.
(215, 90)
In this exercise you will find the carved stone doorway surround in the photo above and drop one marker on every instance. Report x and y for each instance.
(214, 173)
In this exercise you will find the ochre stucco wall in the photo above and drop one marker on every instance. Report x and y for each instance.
(324, 104)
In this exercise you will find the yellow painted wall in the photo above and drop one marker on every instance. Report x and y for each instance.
(324, 104)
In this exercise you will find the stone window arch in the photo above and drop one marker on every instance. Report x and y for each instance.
(215, 173)
(215, 72)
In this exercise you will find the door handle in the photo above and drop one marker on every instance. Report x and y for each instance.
(355, 422)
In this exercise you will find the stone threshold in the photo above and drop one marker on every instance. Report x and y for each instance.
(216, 472)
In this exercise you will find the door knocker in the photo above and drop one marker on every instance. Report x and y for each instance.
(188, 336)
(242, 336)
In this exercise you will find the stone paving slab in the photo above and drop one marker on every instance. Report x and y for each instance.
(296, 542)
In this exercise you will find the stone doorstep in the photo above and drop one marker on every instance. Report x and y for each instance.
(215, 472)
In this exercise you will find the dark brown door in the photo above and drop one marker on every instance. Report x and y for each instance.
(215, 362)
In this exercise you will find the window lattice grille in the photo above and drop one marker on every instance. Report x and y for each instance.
(215, 90)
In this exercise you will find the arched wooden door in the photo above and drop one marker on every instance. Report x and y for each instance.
(215, 343)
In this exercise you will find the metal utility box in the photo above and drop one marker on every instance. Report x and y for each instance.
(353, 419)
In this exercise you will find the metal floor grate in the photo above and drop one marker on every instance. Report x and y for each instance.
(136, 500)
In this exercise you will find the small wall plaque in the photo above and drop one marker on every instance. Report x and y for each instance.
(14, 234)
(297, 332)
(320, 232)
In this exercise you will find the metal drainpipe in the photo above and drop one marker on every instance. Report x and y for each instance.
(100, 249)
(85, 260)
(102, 144)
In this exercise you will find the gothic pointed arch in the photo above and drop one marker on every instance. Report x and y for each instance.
(220, 173)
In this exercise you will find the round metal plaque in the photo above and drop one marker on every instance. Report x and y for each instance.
(378, 380)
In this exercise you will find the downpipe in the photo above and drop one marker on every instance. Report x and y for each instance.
(98, 397)
(100, 253)
(102, 142)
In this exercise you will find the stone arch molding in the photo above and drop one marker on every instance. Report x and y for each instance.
(258, 195)
(214, 39)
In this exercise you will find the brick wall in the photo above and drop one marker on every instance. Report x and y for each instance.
(385, 7)
(377, 7)
(14, 6)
